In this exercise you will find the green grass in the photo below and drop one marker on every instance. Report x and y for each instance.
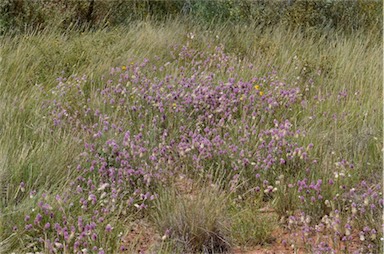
(199, 221)
(250, 227)
(31, 62)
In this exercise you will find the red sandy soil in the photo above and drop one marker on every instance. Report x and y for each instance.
(143, 236)
(278, 247)
(140, 238)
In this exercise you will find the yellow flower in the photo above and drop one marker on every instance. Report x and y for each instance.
(174, 105)
(124, 67)
(261, 93)
(257, 87)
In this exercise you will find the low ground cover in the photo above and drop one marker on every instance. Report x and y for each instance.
(213, 138)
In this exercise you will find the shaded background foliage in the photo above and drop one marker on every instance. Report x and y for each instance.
(20, 15)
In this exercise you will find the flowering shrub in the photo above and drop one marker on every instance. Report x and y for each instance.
(350, 220)
(193, 113)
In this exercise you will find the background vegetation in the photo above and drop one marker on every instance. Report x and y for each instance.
(330, 51)
(19, 15)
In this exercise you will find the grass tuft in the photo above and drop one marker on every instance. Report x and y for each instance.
(198, 222)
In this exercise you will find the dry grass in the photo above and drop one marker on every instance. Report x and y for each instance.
(199, 223)
(31, 153)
